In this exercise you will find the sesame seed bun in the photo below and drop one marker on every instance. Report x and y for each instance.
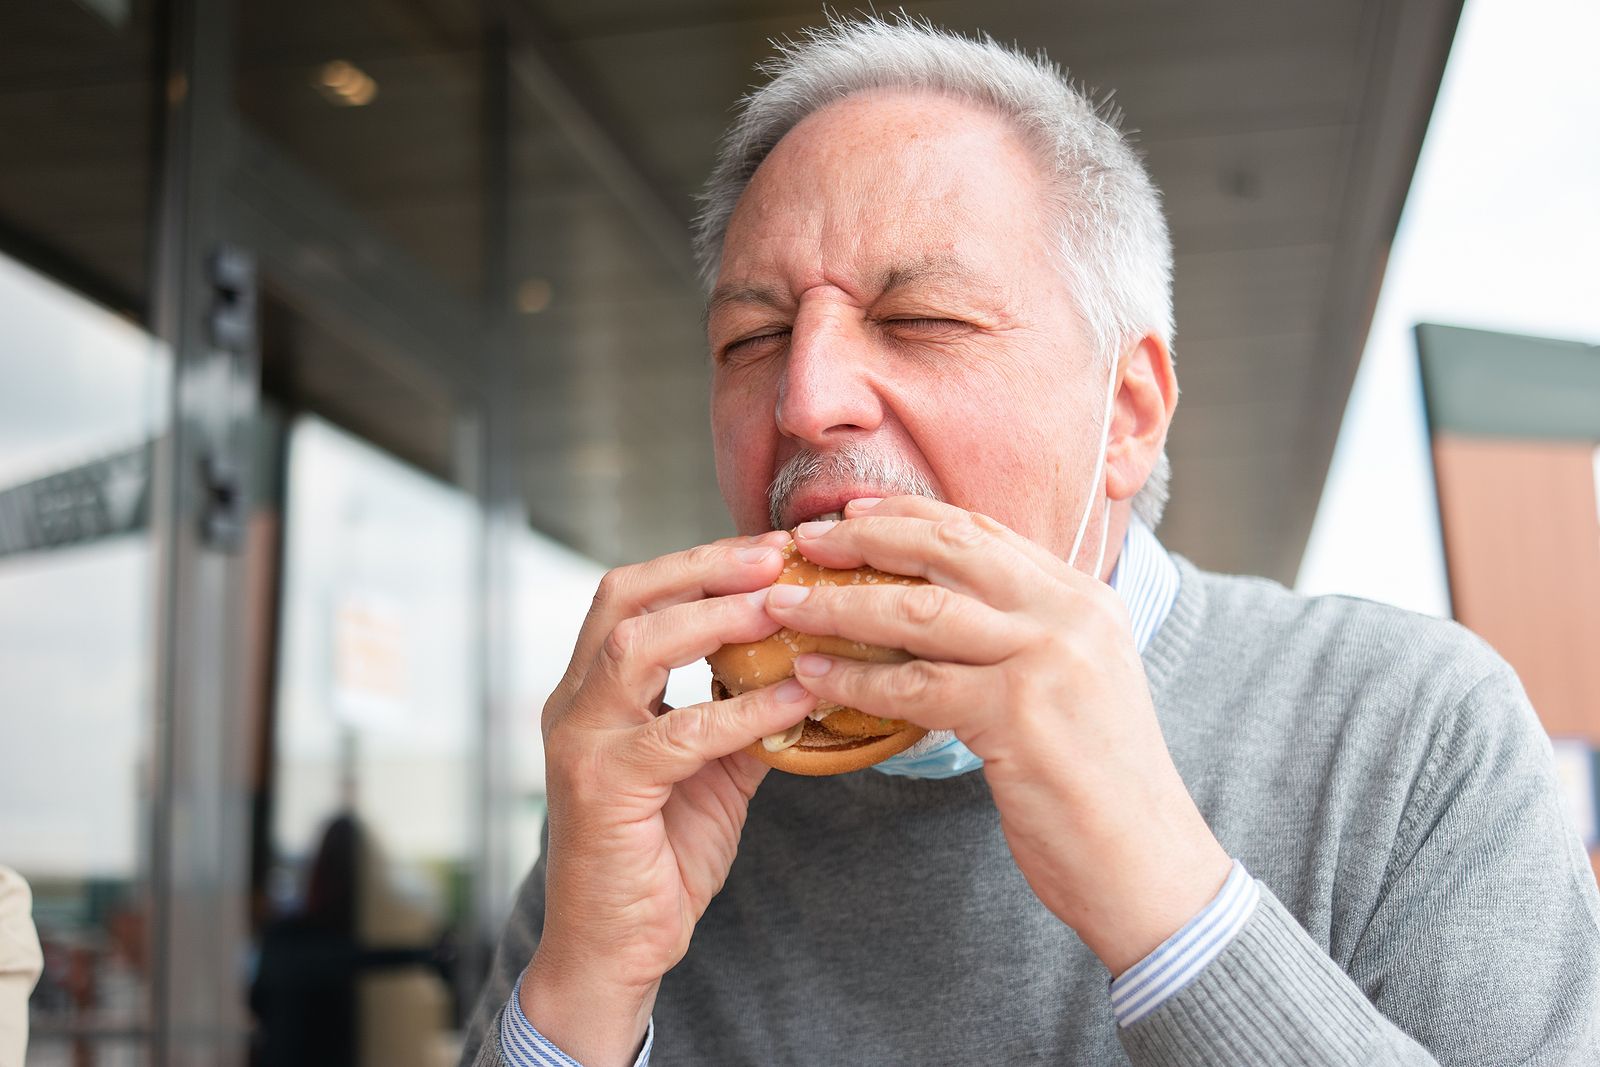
(845, 739)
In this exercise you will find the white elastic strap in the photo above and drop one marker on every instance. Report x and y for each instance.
(1099, 468)
(1105, 534)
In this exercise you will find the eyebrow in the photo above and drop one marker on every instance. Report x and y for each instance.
(940, 267)
(744, 294)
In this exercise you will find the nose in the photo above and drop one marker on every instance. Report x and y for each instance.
(827, 392)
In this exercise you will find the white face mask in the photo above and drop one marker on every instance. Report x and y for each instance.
(941, 754)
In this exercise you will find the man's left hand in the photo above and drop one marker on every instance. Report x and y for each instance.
(1032, 664)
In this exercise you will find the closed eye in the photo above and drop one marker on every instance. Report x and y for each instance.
(753, 343)
(925, 328)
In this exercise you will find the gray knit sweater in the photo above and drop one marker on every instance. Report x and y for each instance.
(1381, 773)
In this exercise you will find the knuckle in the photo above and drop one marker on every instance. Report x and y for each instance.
(988, 523)
(1106, 608)
(916, 681)
(621, 643)
(553, 712)
(684, 730)
(1064, 646)
(1024, 691)
(611, 589)
(960, 532)
(922, 604)
(706, 558)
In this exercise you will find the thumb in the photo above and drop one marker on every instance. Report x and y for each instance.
(676, 744)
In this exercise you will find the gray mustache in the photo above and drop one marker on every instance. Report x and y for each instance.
(852, 463)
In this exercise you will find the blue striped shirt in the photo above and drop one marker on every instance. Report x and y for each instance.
(1147, 580)
(523, 1046)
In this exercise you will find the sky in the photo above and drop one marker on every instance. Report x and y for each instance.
(1501, 231)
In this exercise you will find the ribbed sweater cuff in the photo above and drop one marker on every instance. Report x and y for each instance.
(1272, 997)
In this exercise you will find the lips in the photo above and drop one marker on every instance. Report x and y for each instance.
(814, 504)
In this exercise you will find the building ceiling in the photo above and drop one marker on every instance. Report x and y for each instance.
(1283, 137)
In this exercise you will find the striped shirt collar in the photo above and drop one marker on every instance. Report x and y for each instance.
(1146, 579)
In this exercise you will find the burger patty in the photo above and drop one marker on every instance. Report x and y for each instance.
(842, 728)
(850, 723)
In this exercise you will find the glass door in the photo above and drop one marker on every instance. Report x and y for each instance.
(360, 189)
(82, 402)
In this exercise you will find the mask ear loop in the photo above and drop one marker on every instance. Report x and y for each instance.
(1105, 535)
(1099, 469)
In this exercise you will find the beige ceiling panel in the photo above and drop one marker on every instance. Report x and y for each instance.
(1245, 292)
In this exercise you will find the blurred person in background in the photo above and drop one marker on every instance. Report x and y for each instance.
(350, 978)
(1215, 822)
(20, 964)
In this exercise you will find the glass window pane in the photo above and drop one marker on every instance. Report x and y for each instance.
(376, 735)
(82, 396)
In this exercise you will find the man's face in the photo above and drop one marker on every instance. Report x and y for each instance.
(888, 283)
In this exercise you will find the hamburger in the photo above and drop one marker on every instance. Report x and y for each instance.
(832, 739)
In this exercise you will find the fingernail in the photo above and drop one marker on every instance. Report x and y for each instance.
(865, 503)
(790, 691)
(815, 529)
(757, 599)
(812, 666)
(755, 555)
(787, 596)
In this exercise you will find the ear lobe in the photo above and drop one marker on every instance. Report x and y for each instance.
(1147, 396)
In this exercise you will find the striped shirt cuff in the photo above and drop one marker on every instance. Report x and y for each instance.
(523, 1046)
(1178, 960)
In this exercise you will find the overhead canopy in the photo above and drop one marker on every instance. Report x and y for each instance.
(1283, 137)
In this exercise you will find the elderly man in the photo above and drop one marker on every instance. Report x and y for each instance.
(1165, 816)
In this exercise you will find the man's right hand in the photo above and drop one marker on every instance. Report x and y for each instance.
(646, 803)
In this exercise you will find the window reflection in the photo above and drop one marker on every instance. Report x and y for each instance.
(81, 398)
(375, 734)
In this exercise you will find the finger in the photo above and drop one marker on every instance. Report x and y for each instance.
(672, 747)
(928, 621)
(927, 693)
(624, 684)
(731, 565)
(921, 507)
(955, 553)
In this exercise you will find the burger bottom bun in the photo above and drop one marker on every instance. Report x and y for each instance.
(838, 759)
(838, 756)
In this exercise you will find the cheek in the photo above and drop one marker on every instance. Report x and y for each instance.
(742, 440)
(1003, 445)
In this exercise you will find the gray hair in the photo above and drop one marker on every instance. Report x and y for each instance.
(1114, 248)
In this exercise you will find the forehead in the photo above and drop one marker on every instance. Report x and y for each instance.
(885, 182)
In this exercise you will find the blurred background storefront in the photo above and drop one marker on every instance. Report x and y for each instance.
(343, 347)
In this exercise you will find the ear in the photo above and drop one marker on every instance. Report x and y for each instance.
(1147, 395)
